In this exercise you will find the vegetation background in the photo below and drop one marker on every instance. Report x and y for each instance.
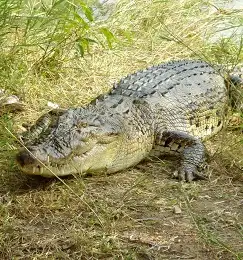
(67, 53)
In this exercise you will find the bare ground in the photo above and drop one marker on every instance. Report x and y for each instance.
(141, 213)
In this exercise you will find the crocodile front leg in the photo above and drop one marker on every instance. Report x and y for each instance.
(191, 149)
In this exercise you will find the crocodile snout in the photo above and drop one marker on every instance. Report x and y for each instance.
(24, 158)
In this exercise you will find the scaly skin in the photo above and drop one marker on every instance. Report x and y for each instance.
(171, 108)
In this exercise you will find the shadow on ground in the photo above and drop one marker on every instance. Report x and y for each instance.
(140, 213)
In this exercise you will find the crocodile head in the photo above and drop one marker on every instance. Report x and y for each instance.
(69, 142)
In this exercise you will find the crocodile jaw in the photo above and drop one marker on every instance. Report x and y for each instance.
(99, 158)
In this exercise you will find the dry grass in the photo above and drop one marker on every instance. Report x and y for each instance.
(134, 210)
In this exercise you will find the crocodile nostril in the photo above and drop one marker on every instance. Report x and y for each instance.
(25, 158)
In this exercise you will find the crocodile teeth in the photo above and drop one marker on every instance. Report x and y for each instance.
(41, 170)
(63, 172)
(33, 170)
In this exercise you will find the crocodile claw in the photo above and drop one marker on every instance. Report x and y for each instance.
(189, 173)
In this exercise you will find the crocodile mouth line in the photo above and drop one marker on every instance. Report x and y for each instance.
(53, 168)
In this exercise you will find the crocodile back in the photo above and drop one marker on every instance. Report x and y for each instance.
(188, 96)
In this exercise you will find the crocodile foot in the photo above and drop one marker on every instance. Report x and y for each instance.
(189, 173)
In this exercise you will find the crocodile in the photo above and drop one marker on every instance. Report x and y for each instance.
(168, 108)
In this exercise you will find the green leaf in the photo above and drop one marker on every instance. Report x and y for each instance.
(83, 45)
(79, 19)
(80, 49)
(90, 40)
(110, 38)
(88, 13)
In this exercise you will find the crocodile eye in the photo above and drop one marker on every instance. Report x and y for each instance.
(82, 125)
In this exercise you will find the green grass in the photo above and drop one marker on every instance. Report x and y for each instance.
(49, 54)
